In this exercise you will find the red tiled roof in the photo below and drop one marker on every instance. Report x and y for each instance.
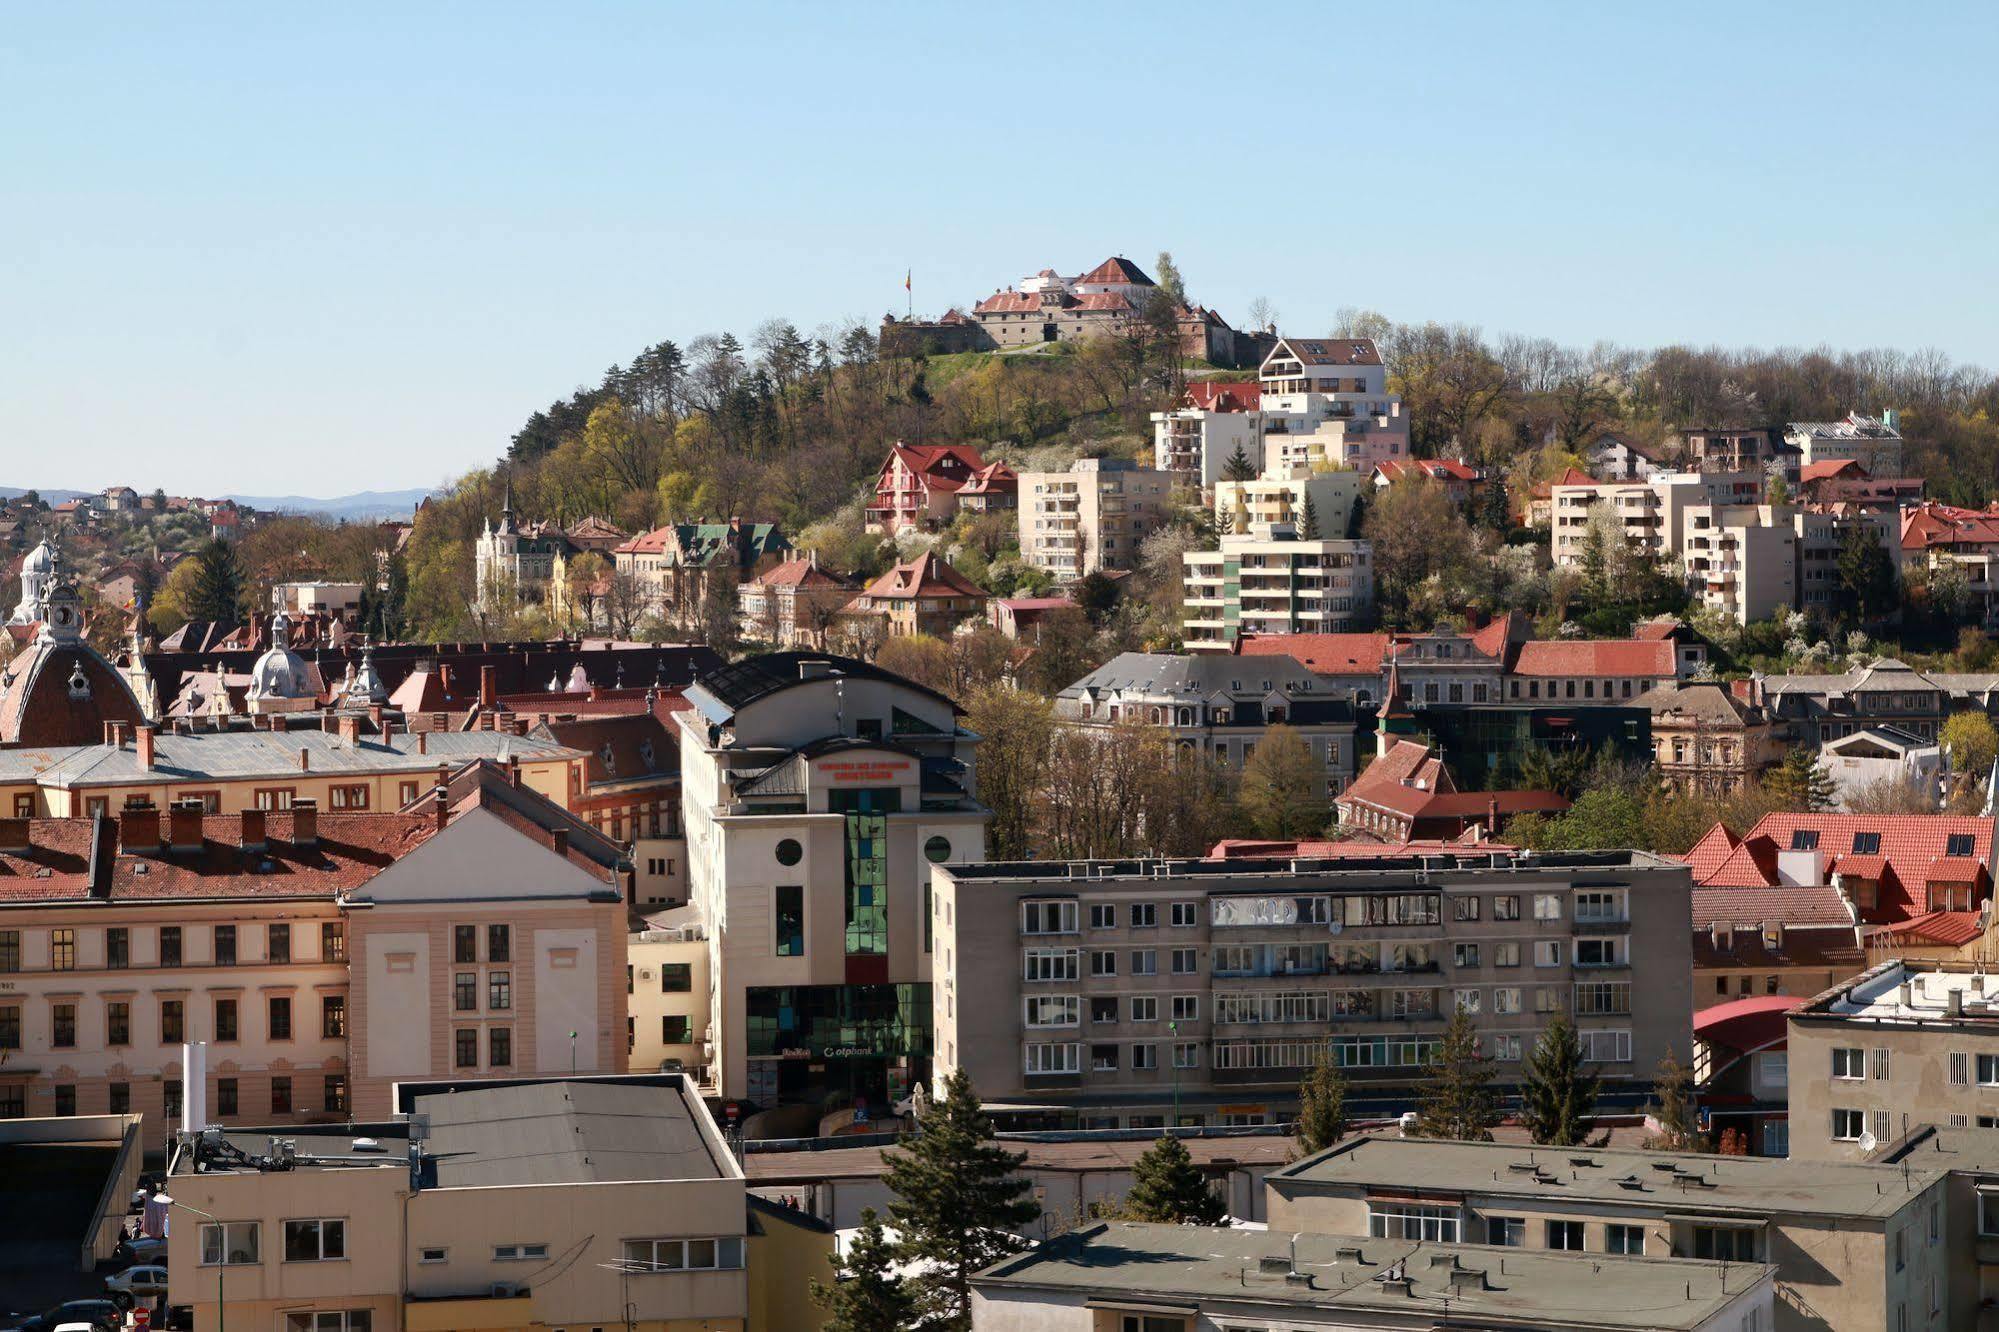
(1837, 467)
(1008, 302)
(925, 576)
(800, 572)
(1324, 654)
(1815, 905)
(1926, 525)
(1911, 845)
(992, 479)
(1225, 396)
(1546, 657)
(1404, 780)
(1117, 268)
(935, 463)
(1437, 469)
(1707, 855)
(1102, 300)
(1949, 929)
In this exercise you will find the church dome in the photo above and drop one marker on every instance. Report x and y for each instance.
(42, 559)
(280, 672)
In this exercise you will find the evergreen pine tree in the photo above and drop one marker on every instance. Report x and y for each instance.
(1672, 1094)
(1866, 574)
(1238, 467)
(867, 1294)
(1558, 1100)
(1357, 520)
(959, 1196)
(1496, 506)
(1801, 782)
(218, 584)
(1168, 1188)
(1308, 520)
(1458, 1100)
(1322, 1106)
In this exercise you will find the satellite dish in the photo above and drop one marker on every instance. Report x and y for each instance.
(1868, 1142)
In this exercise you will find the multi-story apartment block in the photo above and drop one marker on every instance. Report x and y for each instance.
(1741, 559)
(1093, 516)
(1325, 401)
(1873, 442)
(1651, 512)
(370, 1225)
(1857, 1248)
(319, 957)
(1821, 533)
(1123, 1276)
(1216, 704)
(1212, 422)
(1270, 580)
(1135, 987)
(1759, 449)
(818, 792)
(1285, 498)
(669, 993)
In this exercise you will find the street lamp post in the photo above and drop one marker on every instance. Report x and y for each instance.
(221, 1268)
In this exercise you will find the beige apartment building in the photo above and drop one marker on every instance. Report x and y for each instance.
(1284, 498)
(1741, 559)
(1270, 580)
(1094, 516)
(318, 957)
(1856, 1248)
(818, 792)
(668, 994)
(1139, 990)
(535, 1204)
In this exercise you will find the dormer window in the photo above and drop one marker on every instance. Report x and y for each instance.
(1805, 839)
(1866, 843)
(1958, 844)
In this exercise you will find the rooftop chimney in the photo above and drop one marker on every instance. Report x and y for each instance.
(305, 823)
(423, 742)
(139, 827)
(513, 769)
(350, 730)
(145, 737)
(184, 826)
(489, 686)
(253, 830)
(304, 759)
(1954, 1002)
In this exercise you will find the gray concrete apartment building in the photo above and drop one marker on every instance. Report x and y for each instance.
(1121, 993)
(1856, 1247)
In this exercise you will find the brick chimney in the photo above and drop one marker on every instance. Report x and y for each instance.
(253, 830)
(139, 827)
(184, 826)
(423, 742)
(144, 738)
(489, 687)
(304, 759)
(388, 730)
(350, 730)
(305, 823)
(513, 770)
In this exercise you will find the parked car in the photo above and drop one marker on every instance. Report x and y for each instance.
(140, 1249)
(99, 1315)
(145, 1279)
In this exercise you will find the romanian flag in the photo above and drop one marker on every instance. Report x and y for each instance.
(907, 274)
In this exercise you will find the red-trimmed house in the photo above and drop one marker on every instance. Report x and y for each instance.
(917, 487)
(1407, 795)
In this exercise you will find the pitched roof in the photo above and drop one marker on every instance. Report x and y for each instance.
(1009, 302)
(1933, 524)
(1328, 351)
(939, 466)
(1847, 468)
(1806, 905)
(1402, 780)
(1435, 469)
(1714, 848)
(1949, 929)
(1544, 657)
(1225, 396)
(800, 571)
(925, 576)
(995, 478)
(1323, 654)
(1117, 268)
(1911, 848)
(1697, 701)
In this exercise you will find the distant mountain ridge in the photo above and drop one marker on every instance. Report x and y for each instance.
(357, 507)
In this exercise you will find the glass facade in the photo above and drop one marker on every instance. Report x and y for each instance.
(866, 810)
(863, 1045)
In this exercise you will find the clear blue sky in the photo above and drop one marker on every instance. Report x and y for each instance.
(291, 249)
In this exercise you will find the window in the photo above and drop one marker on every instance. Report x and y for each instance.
(684, 1255)
(1048, 918)
(1877, 1064)
(1506, 1000)
(1547, 952)
(1154, 1323)
(281, 1095)
(499, 991)
(1144, 915)
(465, 992)
(1866, 843)
(333, 941)
(229, 1243)
(1400, 1221)
(676, 977)
(1186, 1008)
(333, 1016)
(1144, 1056)
(173, 1021)
(1848, 1125)
(1144, 962)
(1464, 908)
(172, 1090)
(1045, 1058)
(1104, 1008)
(10, 1027)
(1103, 962)
(500, 1046)
(1103, 916)
(1506, 906)
(335, 1096)
(1103, 1059)
(1144, 1008)
(789, 908)
(225, 945)
(117, 1023)
(1606, 1047)
(280, 1012)
(1186, 961)
(1464, 955)
(1503, 1049)
(1565, 1235)
(1728, 1244)
(349, 797)
(225, 1019)
(1547, 906)
(1988, 1070)
(1049, 964)
(1052, 1010)
(1958, 844)
(464, 943)
(65, 1099)
(465, 1051)
(272, 797)
(1186, 913)
(499, 943)
(1846, 1063)
(117, 947)
(1624, 1239)
(278, 942)
(1600, 905)
(676, 1029)
(789, 852)
(518, 1253)
(431, 1255)
(62, 950)
(1988, 1211)
(1508, 1232)
(10, 950)
(120, 1098)
(225, 1096)
(1601, 952)
(1187, 1054)
(1805, 839)
(170, 945)
(1506, 955)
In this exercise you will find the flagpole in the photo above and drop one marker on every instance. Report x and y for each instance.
(909, 292)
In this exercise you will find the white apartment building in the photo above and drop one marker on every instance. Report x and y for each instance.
(1093, 516)
(1195, 440)
(818, 791)
(1326, 401)
(1652, 511)
(1280, 498)
(1271, 581)
(1874, 442)
(1742, 559)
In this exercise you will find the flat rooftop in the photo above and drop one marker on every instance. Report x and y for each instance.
(1900, 992)
(1934, 1147)
(1653, 1181)
(1483, 863)
(1184, 1266)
